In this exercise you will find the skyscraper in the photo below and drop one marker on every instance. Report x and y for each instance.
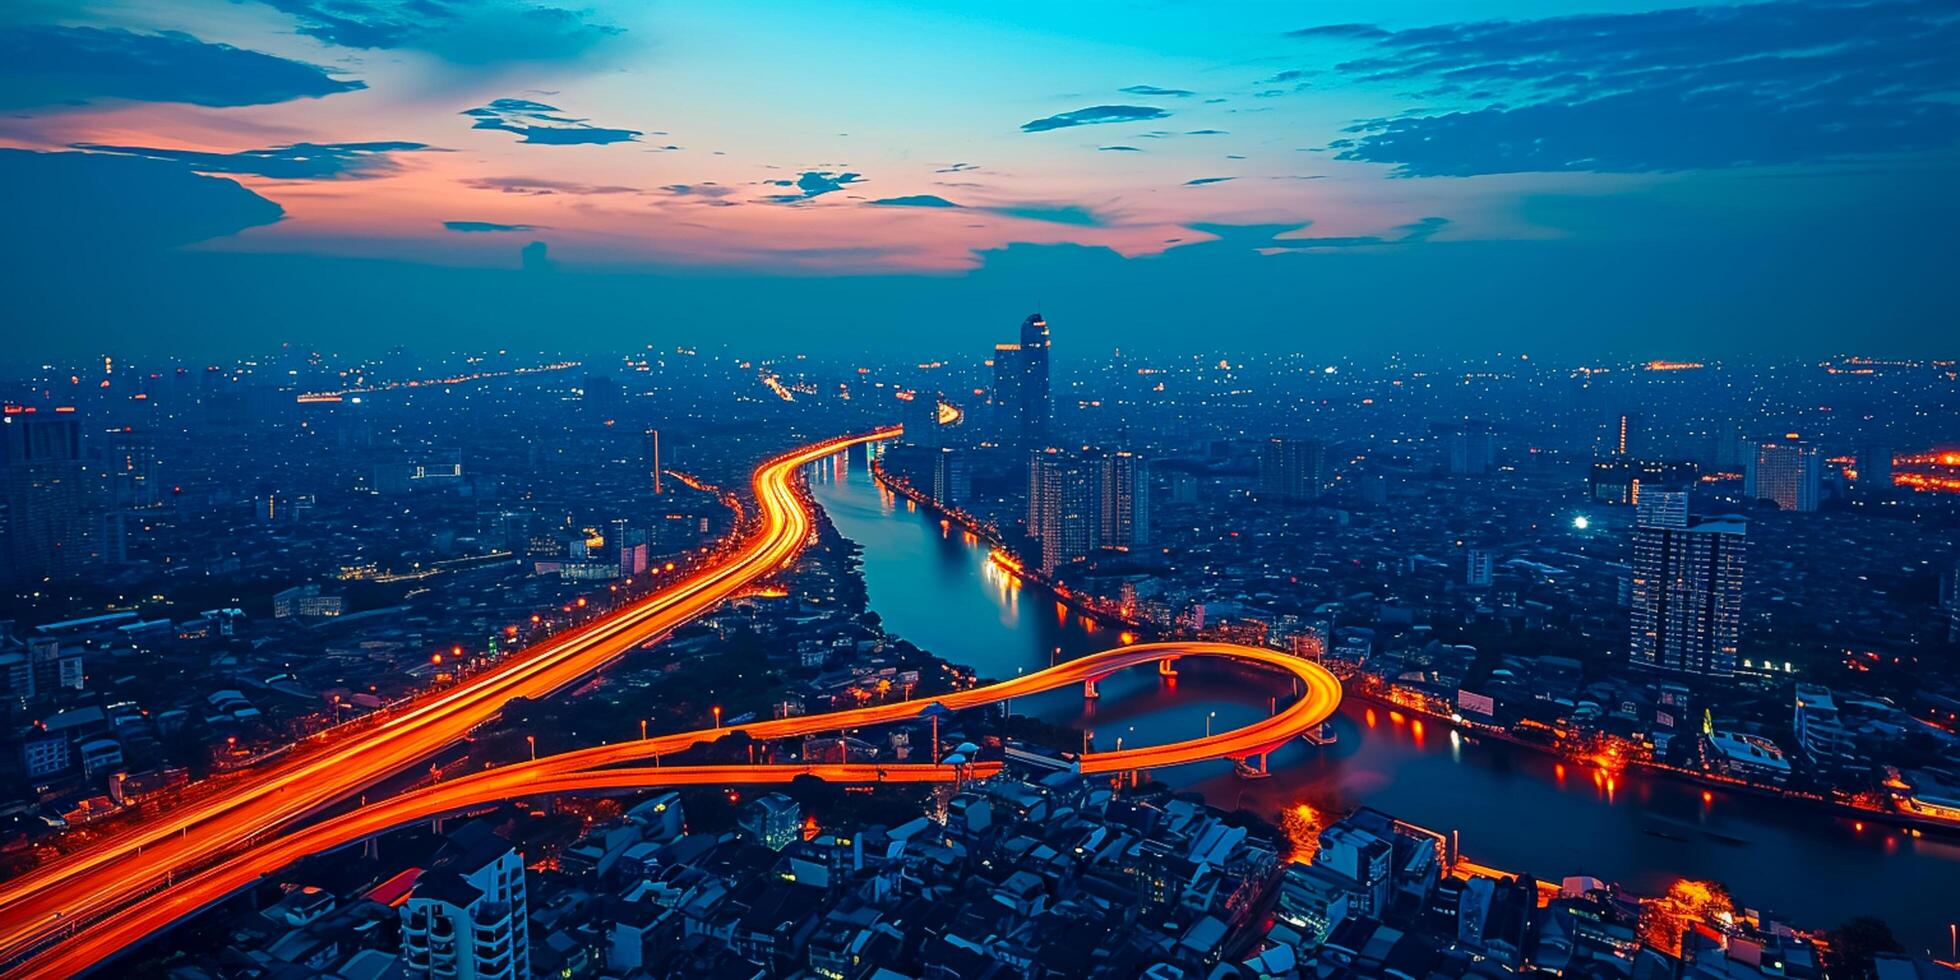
(1124, 479)
(53, 523)
(1037, 408)
(951, 485)
(653, 459)
(133, 467)
(1292, 469)
(1064, 506)
(1687, 588)
(1009, 379)
(1788, 471)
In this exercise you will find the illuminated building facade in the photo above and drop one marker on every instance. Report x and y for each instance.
(133, 468)
(1125, 500)
(1686, 589)
(1064, 503)
(775, 821)
(1787, 471)
(470, 921)
(1008, 382)
(951, 484)
(1036, 401)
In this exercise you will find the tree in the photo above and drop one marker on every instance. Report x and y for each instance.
(1854, 943)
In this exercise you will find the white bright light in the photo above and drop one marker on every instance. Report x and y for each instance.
(1581, 522)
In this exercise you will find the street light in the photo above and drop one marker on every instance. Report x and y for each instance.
(533, 741)
(717, 717)
(643, 729)
(1208, 719)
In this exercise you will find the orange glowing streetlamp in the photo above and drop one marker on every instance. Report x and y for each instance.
(532, 740)
(717, 717)
(643, 729)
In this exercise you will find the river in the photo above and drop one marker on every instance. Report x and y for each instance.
(1515, 809)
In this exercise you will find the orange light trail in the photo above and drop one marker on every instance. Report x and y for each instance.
(82, 887)
(586, 770)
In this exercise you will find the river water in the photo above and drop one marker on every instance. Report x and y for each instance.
(1515, 809)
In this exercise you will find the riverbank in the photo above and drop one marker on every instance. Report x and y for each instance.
(1913, 823)
(1093, 606)
(1003, 557)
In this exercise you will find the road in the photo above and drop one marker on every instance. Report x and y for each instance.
(586, 770)
(42, 906)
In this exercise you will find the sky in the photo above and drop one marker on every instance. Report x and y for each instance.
(1585, 178)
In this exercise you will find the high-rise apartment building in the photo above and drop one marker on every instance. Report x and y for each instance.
(1125, 500)
(1064, 506)
(1037, 405)
(1009, 378)
(53, 521)
(469, 920)
(1293, 469)
(653, 460)
(951, 485)
(1686, 588)
(1787, 471)
(132, 468)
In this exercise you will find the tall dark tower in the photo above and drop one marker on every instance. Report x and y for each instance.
(1036, 405)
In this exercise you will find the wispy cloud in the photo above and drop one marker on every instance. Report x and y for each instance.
(811, 184)
(1095, 115)
(1058, 214)
(295, 161)
(1201, 181)
(478, 227)
(537, 122)
(542, 186)
(1152, 90)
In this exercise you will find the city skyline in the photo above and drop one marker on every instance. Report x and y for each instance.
(339, 176)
